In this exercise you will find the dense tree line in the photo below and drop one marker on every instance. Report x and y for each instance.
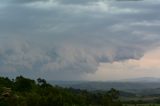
(22, 91)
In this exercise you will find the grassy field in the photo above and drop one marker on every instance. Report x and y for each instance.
(141, 105)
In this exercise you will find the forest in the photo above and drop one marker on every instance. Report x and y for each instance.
(23, 91)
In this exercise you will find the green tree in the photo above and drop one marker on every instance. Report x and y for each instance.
(23, 84)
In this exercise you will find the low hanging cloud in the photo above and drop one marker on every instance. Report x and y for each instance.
(147, 66)
(68, 38)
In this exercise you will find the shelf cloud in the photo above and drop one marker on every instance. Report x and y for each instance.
(66, 39)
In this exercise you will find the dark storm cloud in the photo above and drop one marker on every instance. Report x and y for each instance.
(76, 1)
(72, 37)
(27, 1)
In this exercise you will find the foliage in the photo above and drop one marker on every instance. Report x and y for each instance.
(22, 91)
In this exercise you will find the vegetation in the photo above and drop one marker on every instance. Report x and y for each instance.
(22, 91)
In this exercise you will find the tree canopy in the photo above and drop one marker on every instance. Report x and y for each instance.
(23, 91)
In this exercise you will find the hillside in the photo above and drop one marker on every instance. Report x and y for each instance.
(22, 91)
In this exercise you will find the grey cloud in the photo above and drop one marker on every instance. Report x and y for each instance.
(27, 1)
(70, 38)
(76, 1)
(66, 2)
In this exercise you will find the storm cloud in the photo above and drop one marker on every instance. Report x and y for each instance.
(65, 39)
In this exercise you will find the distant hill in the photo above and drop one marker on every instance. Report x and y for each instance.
(146, 89)
(142, 79)
(138, 85)
(108, 85)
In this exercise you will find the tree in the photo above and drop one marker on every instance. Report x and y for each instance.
(23, 84)
(43, 83)
(114, 94)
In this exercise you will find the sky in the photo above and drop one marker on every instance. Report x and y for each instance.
(96, 40)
